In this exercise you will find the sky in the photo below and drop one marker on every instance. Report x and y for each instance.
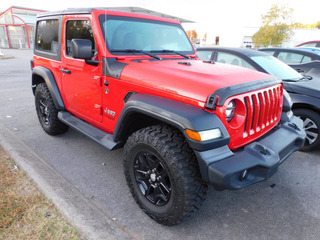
(211, 12)
(209, 15)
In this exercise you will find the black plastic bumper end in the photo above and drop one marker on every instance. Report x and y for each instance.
(256, 162)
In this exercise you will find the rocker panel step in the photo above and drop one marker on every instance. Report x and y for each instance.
(95, 134)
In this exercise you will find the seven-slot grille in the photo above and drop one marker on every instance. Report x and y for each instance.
(263, 110)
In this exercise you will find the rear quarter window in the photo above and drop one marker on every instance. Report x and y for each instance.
(306, 59)
(291, 58)
(47, 38)
(314, 44)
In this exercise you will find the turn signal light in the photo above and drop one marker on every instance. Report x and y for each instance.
(203, 135)
(193, 135)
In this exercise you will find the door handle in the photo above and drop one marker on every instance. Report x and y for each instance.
(65, 70)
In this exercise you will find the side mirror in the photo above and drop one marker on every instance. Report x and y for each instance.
(81, 48)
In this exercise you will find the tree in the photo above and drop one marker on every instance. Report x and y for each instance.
(276, 27)
(308, 25)
(192, 34)
(298, 25)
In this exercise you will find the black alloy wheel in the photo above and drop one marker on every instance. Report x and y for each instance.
(152, 178)
(45, 114)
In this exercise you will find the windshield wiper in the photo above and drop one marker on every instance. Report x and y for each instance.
(170, 51)
(305, 77)
(292, 80)
(136, 51)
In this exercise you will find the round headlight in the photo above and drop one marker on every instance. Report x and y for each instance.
(230, 110)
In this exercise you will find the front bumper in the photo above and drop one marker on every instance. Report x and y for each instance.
(256, 162)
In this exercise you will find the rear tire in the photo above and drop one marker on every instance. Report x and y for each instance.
(47, 112)
(163, 175)
(311, 124)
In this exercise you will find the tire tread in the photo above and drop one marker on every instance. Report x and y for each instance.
(56, 126)
(181, 159)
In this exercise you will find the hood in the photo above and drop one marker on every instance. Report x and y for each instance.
(305, 87)
(189, 78)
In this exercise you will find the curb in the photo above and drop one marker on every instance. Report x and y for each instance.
(6, 57)
(91, 221)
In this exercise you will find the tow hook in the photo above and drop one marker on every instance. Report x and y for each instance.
(294, 126)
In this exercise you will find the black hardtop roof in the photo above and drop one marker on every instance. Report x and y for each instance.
(67, 11)
(137, 10)
(244, 51)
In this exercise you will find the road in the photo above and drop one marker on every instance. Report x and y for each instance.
(286, 206)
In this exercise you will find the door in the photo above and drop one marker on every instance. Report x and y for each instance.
(81, 82)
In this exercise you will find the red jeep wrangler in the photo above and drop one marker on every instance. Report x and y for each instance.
(133, 80)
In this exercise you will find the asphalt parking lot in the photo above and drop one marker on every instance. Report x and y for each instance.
(286, 206)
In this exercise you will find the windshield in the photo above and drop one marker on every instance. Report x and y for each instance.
(277, 68)
(125, 33)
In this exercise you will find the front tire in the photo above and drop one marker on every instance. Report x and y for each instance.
(163, 175)
(311, 124)
(47, 112)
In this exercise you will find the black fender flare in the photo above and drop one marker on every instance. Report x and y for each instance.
(287, 101)
(300, 99)
(49, 79)
(177, 114)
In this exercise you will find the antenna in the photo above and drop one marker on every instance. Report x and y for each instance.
(105, 31)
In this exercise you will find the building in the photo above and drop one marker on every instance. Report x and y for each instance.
(17, 26)
(301, 35)
(242, 37)
(298, 35)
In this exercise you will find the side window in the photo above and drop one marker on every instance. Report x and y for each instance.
(232, 59)
(205, 55)
(290, 58)
(47, 38)
(80, 29)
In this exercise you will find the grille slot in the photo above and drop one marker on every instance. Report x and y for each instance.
(256, 107)
(262, 110)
